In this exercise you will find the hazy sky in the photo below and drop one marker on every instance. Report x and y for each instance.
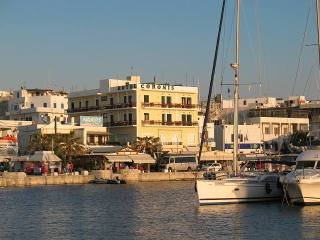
(74, 43)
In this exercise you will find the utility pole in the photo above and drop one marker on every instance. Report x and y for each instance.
(55, 125)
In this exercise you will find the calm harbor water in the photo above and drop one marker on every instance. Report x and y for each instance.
(161, 210)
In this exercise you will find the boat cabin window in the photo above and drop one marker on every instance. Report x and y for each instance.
(318, 165)
(305, 164)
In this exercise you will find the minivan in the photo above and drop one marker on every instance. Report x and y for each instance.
(180, 162)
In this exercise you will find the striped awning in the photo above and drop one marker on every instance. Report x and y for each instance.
(142, 158)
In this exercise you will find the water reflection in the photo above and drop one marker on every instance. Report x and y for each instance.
(162, 210)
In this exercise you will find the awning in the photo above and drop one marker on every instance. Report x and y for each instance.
(216, 156)
(44, 156)
(118, 158)
(142, 158)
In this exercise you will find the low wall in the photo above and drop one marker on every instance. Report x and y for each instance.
(20, 180)
(136, 175)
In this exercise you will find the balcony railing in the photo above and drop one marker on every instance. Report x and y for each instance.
(84, 109)
(120, 105)
(121, 123)
(114, 106)
(169, 105)
(176, 123)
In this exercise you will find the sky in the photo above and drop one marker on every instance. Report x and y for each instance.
(72, 44)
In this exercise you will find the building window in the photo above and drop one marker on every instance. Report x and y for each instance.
(45, 105)
(285, 130)
(62, 105)
(146, 98)
(146, 116)
(267, 130)
(130, 118)
(100, 142)
(163, 118)
(163, 100)
(18, 95)
(276, 131)
(54, 105)
(111, 119)
(125, 117)
(183, 101)
(72, 105)
(130, 99)
(125, 99)
(79, 104)
(184, 118)
(32, 105)
(87, 104)
(169, 100)
(111, 101)
(97, 103)
(91, 139)
(240, 136)
(189, 118)
(294, 127)
(188, 100)
(244, 102)
(169, 118)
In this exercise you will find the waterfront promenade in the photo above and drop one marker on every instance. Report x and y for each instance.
(20, 179)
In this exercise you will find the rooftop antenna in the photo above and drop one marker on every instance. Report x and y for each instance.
(131, 68)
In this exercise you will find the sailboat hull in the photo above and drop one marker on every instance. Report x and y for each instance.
(231, 191)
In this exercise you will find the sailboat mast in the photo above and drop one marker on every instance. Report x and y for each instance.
(235, 67)
(318, 26)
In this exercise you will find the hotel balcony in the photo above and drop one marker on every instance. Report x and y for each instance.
(120, 105)
(176, 123)
(169, 105)
(114, 106)
(121, 123)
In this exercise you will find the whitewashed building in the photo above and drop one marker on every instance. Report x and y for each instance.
(249, 138)
(38, 105)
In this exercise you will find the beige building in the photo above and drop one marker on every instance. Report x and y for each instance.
(132, 109)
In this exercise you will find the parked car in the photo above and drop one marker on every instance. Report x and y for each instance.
(211, 167)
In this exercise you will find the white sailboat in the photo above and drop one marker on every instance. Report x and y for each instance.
(303, 184)
(262, 187)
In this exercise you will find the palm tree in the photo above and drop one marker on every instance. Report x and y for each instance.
(69, 146)
(40, 142)
(149, 145)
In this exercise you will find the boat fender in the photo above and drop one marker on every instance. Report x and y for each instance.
(268, 188)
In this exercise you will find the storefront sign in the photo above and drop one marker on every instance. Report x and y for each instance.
(95, 121)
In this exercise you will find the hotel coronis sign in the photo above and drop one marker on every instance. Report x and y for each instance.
(157, 86)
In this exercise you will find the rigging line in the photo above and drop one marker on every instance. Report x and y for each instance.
(251, 45)
(211, 82)
(224, 66)
(259, 42)
(309, 76)
(223, 52)
(300, 51)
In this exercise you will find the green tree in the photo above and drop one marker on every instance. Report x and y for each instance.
(69, 146)
(40, 142)
(149, 145)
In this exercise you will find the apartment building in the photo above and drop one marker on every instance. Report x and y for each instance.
(132, 109)
(38, 105)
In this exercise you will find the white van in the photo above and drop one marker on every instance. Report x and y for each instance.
(180, 162)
